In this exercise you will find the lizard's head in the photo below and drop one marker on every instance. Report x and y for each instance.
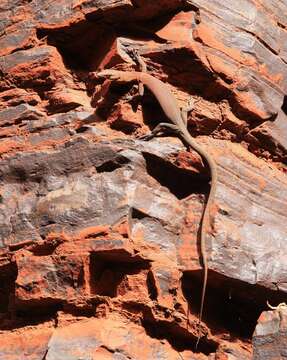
(109, 74)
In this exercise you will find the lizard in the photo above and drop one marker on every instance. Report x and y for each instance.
(178, 125)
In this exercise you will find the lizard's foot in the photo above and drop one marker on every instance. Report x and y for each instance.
(184, 110)
(190, 104)
(146, 137)
(133, 53)
(109, 74)
(161, 128)
(128, 97)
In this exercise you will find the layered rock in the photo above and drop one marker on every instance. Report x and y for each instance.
(269, 339)
(99, 230)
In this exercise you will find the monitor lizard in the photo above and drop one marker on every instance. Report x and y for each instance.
(178, 125)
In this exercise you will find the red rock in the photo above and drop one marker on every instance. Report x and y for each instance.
(17, 40)
(92, 338)
(99, 231)
(36, 67)
(29, 342)
(58, 278)
(63, 100)
(269, 338)
(19, 113)
(123, 118)
(14, 97)
(272, 135)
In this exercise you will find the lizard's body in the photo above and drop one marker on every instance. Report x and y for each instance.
(178, 124)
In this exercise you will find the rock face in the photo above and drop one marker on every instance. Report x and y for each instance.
(99, 230)
(270, 335)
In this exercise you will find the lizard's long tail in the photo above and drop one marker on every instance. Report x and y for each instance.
(206, 220)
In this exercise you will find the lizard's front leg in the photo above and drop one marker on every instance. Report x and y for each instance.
(185, 110)
(142, 66)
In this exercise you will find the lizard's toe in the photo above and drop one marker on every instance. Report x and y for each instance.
(144, 137)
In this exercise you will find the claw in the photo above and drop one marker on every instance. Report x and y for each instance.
(190, 103)
(109, 74)
(145, 137)
(133, 53)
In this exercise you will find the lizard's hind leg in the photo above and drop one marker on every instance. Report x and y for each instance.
(161, 127)
(185, 110)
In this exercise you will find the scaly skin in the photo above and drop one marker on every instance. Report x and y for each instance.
(171, 109)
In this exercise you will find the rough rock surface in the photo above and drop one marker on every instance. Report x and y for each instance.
(270, 335)
(99, 230)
